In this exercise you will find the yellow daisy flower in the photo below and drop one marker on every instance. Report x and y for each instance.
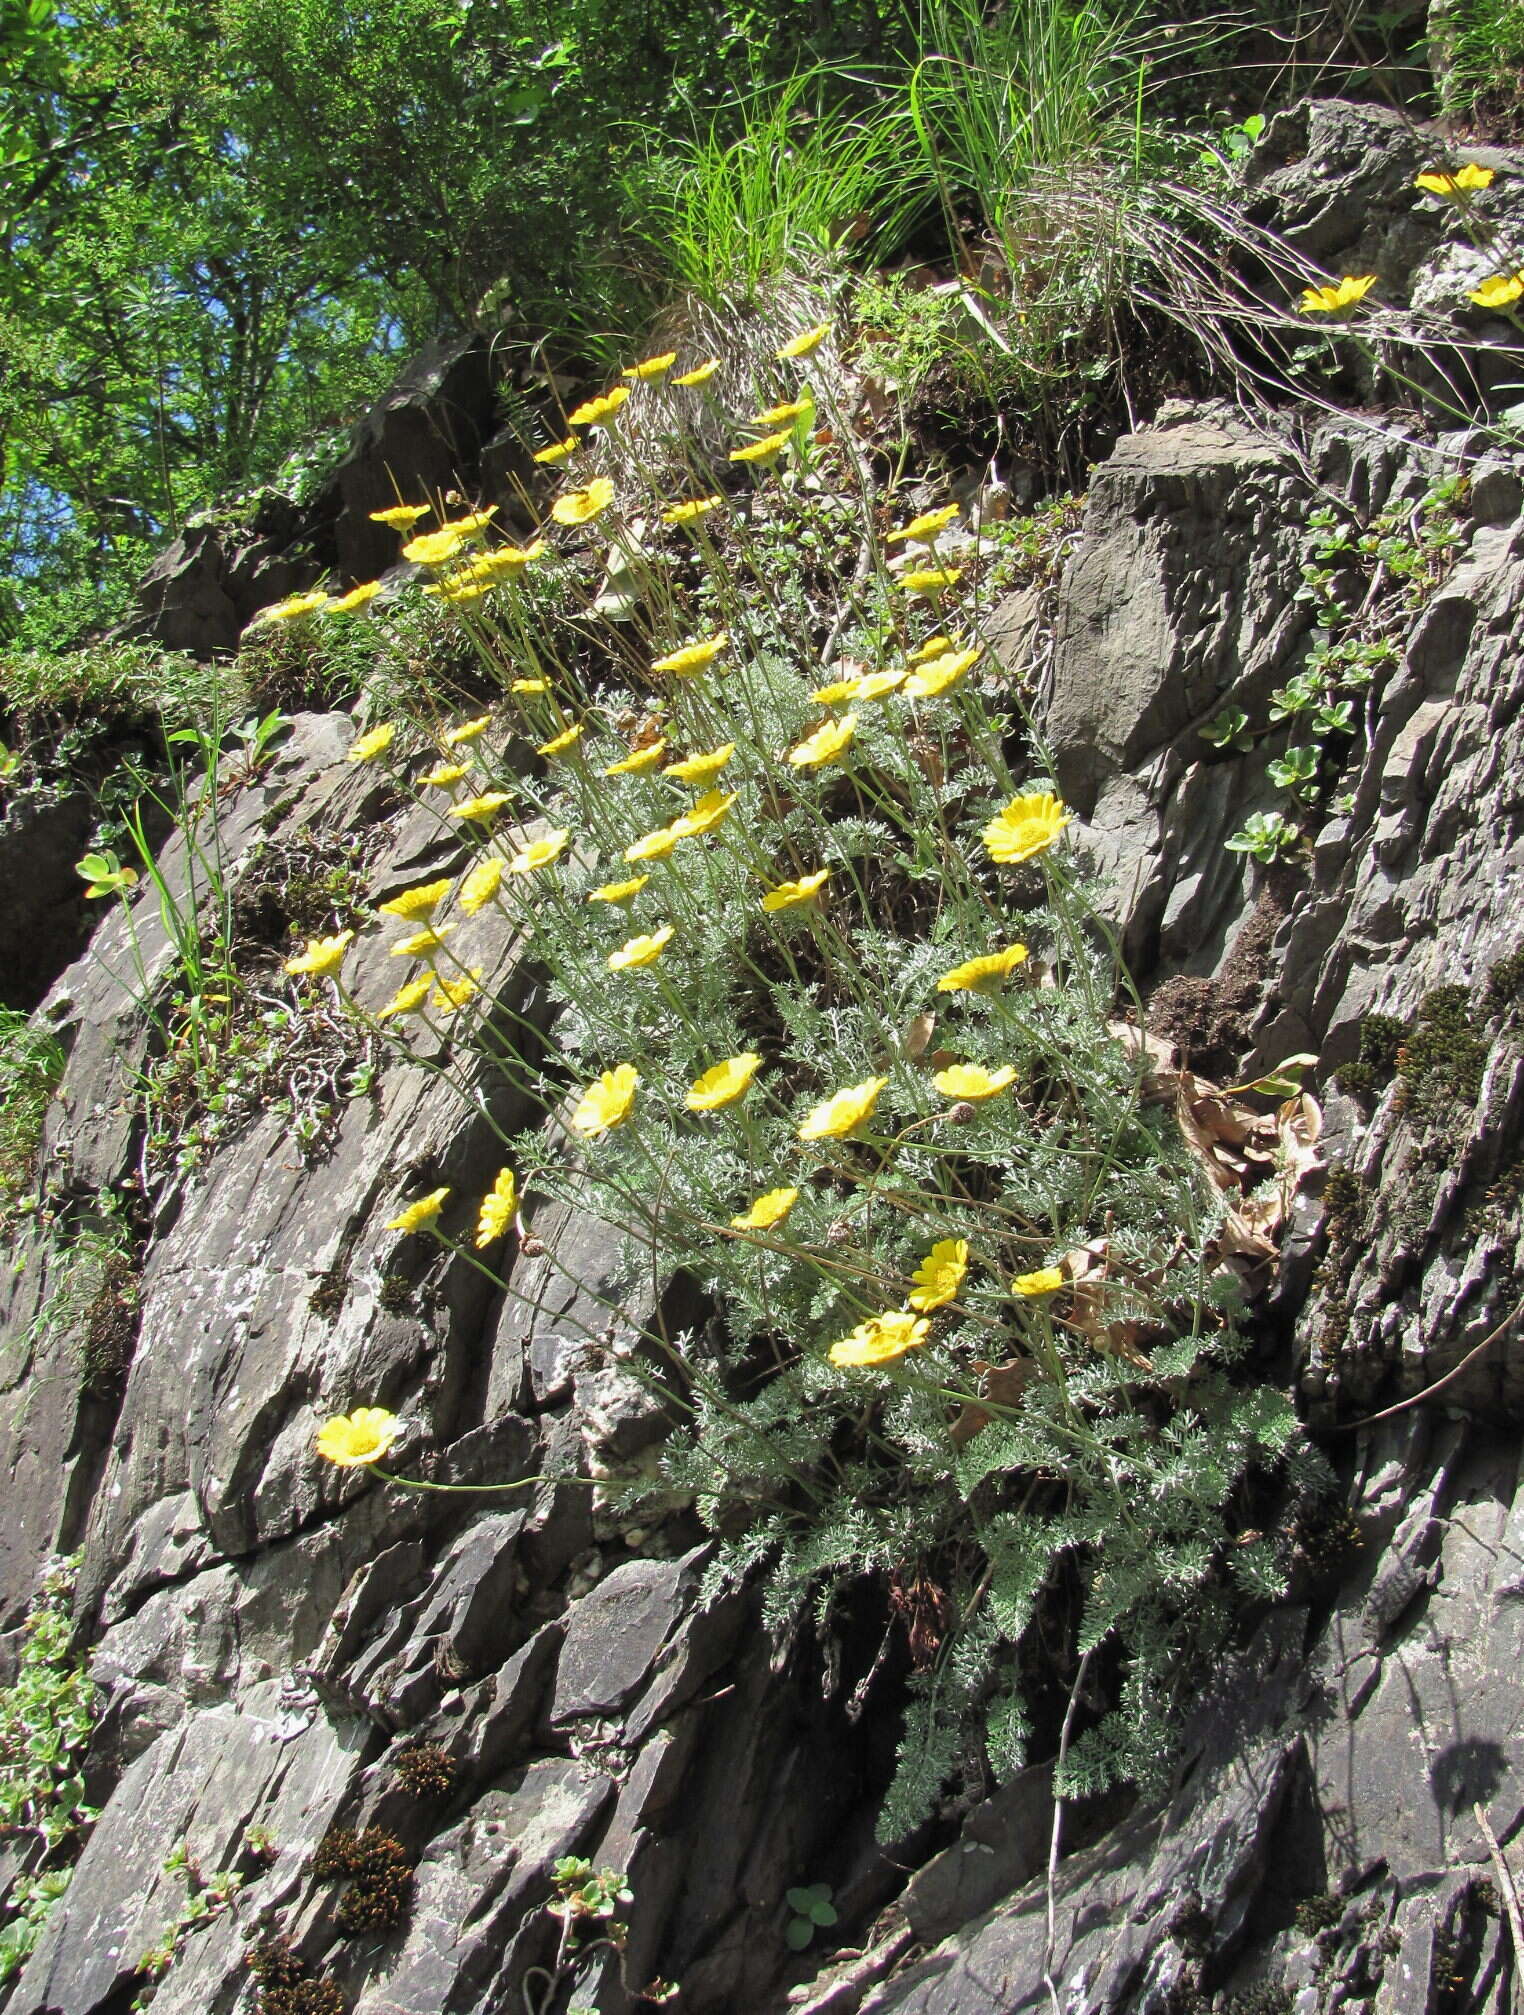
(973, 1081)
(827, 742)
(401, 517)
(650, 367)
(789, 894)
(692, 657)
(408, 999)
(833, 694)
(771, 1208)
(700, 374)
(641, 951)
(1343, 294)
(880, 1338)
(530, 686)
(643, 759)
(805, 345)
(1439, 182)
(468, 730)
(653, 846)
(443, 775)
(618, 892)
(558, 451)
(1028, 826)
(367, 747)
(764, 450)
(418, 1214)
(452, 994)
(937, 675)
(578, 507)
(598, 412)
(426, 940)
(843, 1112)
(691, 507)
(481, 885)
(355, 1440)
(879, 685)
(927, 528)
(607, 1101)
(344, 605)
(701, 769)
(785, 414)
(939, 1276)
(1046, 1280)
(294, 606)
(708, 812)
(487, 806)
(723, 1083)
(432, 549)
(1499, 292)
(320, 957)
(929, 580)
(559, 744)
(934, 647)
(499, 1208)
(419, 902)
(978, 975)
(539, 853)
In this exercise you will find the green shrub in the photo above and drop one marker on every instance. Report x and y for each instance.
(31, 1063)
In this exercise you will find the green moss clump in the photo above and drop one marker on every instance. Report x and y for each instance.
(1505, 983)
(1317, 1913)
(286, 1985)
(1343, 1201)
(1443, 1060)
(1381, 1040)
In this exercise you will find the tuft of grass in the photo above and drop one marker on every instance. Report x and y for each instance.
(801, 180)
(31, 1064)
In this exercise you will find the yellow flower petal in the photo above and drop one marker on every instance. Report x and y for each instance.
(880, 1338)
(829, 740)
(1343, 294)
(641, 951)
(320, 956)
(539, 853)
(787, 895)
(618, 892)
(401, 517)
(975, 975)
(926, 528)
(771, 1208)
(559, 744)
(691, 507)
(973, 1081)
(481, 885)
(344, 605)
(1028, 826)
(418, 1214)
(598, 412)
(354, 1440)
(408, 999)
(367, 747)
(939, 1276)
(607, 1101)
(844, 1112)
(499, 1208)
(700, 374)
(443, 775)
(419, 902)
(937, 675)
(650, 367)
(805, 345)
(1046, 1280)
(578, 507)
(692, 657)
(643, 759)
(701, 769)
(723, 1083)
(764, 450)
(1439, 182)
(1501, 291)
(468, 730)
(558, 451)
(487, 806)
(421, 942)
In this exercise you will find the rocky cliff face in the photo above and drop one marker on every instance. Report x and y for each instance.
(279, 1647)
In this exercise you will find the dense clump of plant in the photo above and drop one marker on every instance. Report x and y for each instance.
(378, 1872)
(841, 1038)
(46, 1717)
(31, 1063)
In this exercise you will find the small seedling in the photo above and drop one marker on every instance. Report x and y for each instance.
(813, 1911)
